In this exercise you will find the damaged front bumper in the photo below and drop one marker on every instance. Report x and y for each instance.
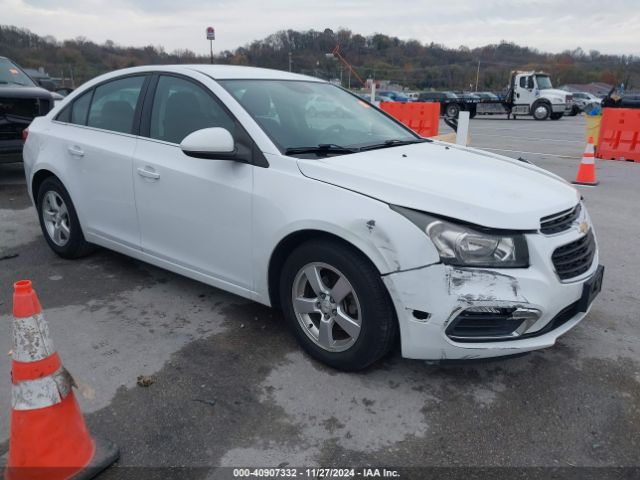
(438, 304)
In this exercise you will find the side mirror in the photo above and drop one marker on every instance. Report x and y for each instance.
(209, 143)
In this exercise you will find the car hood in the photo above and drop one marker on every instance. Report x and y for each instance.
(444, 179)
(19, 91)
(554, 92)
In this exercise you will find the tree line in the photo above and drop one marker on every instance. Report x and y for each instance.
(410, 63)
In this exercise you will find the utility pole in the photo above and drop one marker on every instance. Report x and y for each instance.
(477, 75)
(290, 61)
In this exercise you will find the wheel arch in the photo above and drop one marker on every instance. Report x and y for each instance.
(540, 101)
(289, 243)
(38, 178)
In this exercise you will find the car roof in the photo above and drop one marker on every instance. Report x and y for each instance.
(217, 72)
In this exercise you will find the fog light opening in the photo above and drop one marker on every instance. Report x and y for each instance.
(420, 315)
(491, 323)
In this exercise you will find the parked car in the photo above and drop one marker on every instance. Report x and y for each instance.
(20, 101)
(584, 101)
(450, 103)
(391, 96)
(487, 96)
(324, 107)
(64, 91)
(615, 99)
(630, 100)
(362, 232)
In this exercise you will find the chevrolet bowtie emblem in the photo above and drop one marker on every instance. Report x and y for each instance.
(584, 227)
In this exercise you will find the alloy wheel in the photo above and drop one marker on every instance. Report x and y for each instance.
(326, 307)
(56, 218)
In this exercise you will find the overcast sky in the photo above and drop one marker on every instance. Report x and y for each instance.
(550, 25)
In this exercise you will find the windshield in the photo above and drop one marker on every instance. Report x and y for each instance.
(296, 114)
(543, 81)
(12, 75)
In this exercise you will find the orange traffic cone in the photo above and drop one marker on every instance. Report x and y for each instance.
(49, 438)
(587, 169)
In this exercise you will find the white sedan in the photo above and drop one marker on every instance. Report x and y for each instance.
(363, 233)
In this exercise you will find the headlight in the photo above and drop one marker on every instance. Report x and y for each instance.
(464, 245)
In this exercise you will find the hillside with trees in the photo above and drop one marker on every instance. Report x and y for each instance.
(379, 56)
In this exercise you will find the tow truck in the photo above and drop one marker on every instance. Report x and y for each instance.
(530, 94)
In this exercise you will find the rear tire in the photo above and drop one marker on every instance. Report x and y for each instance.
(556, 116)
(311, 283)
(59, 221)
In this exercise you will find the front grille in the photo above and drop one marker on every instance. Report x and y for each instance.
(575, 258)
(20, 107)
(16, 114)
(559, 222)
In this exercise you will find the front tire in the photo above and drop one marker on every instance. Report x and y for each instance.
(541, 111)
(337, 305)
(59, 221)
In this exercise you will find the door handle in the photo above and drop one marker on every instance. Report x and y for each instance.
(148, 173)
(75, 151)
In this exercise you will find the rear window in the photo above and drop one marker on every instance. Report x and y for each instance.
(79, 109)
(76, 113)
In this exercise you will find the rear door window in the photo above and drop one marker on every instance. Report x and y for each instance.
(114, 104)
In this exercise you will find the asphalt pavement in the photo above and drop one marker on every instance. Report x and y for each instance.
(230, 388)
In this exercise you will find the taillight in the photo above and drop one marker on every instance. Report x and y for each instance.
(25, 134)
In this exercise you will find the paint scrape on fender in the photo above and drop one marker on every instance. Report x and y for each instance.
(476, 285)
(371, 232)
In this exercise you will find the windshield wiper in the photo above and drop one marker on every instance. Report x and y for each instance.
(323, 148)
(394, 143)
